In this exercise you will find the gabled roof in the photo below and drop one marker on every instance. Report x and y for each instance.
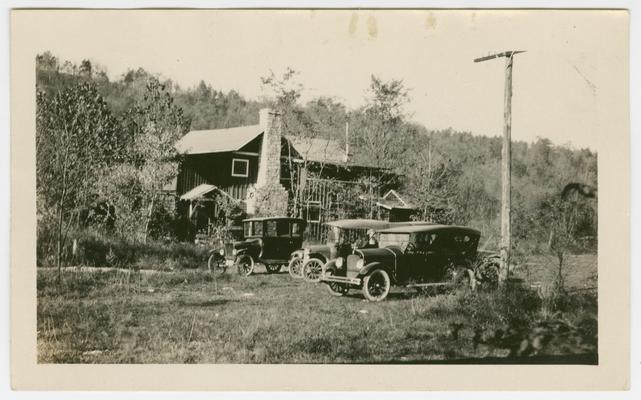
(217, 140)
(317, 149)
(392, 200)
(233, 139)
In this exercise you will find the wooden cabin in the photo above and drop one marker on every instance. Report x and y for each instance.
(315, 176)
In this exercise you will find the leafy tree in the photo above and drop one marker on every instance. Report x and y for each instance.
(380, 125)
(155, 125)
(75, 139)
(86, 69)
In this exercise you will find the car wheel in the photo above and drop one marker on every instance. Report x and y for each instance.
(459, 277)
(215, 266)
(487, 274)
(245, 265)
(272, 268)
(312, 270)
(335, 288)
(376, 285)
(295, 267)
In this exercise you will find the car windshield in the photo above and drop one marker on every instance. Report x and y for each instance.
(337, 235)
(393, 239)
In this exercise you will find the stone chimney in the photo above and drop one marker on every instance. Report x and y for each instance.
(269, 166)
(268, 189)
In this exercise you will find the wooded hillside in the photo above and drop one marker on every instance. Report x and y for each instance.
(452, 176)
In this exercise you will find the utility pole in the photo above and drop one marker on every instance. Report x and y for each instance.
(506, 161)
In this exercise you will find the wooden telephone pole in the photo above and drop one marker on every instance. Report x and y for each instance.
(506, 161)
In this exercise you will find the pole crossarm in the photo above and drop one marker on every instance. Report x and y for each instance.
(509, 53)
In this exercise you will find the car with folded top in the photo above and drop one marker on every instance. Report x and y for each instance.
(341, 238)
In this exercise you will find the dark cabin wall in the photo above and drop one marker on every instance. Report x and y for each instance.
(215, 169)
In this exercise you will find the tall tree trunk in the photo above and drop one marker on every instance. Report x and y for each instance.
(61, 209)
(150, 211)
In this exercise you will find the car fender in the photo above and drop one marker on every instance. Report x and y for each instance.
(376, 265)
(297, 254)
(319, 256)
(240, 252)
(331, 266)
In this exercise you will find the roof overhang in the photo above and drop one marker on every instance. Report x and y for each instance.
(198, 192)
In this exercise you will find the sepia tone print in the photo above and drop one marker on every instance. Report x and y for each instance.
(279, 214)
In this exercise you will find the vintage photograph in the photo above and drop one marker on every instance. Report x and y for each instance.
(327, 187)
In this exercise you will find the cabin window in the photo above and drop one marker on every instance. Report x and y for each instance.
(240, 168)
(313, 211)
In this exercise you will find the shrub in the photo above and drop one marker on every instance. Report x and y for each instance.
(97, 250)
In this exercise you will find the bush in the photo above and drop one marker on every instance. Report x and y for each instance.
(98, 250)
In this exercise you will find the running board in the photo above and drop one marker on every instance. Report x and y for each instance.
(432, 284)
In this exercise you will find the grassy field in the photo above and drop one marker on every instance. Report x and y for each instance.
(189, 316)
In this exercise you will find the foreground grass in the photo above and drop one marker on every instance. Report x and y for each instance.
(192, 317)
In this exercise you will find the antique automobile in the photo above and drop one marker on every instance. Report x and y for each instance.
(268, 241)
(342, 236)
(219, 242)
(418, 256)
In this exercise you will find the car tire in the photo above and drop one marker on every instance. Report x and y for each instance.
(312, 270)
(376, 285)
(272, 268)
(459, 277)
(295, 267)
(487, 274)
(213, 265)
(244, 264)
(335, 288)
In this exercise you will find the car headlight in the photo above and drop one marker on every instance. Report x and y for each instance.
(339, 262)
(233, 252)
(360, 263)
(221, 252)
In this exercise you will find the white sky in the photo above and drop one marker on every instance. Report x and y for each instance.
(569, 85)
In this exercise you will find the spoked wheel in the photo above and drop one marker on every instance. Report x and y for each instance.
(215, 266)
(295, 267)
(460, 277)
(376, 285)
(245, 265)
(272, 268)
(487, 274)
(335, 288)
(312, 270)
